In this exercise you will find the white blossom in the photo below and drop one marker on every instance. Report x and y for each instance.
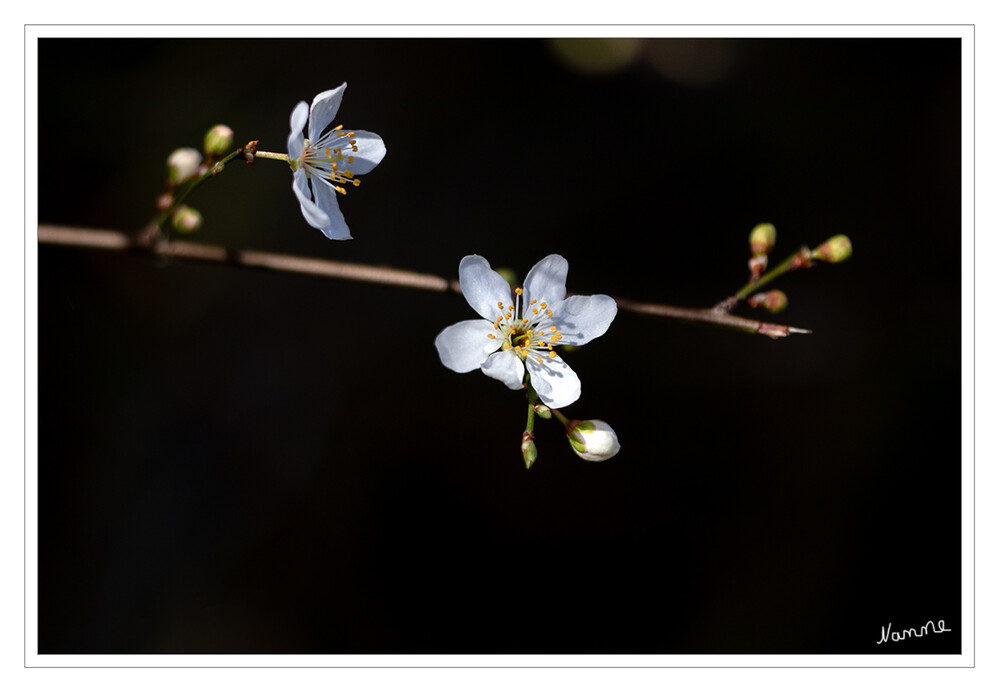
(520, 329)
(329, 161)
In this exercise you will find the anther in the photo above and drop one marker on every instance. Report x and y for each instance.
(519, 291)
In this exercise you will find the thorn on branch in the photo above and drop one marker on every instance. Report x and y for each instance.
(777, 331)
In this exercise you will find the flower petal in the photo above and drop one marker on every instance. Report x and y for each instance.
(505, 367)
(296, 140)
(325, 196)
(555, 382)
(546, 280)
(464, 346)
(482, 287)
(315, 216)
(324, 108)
(370, 152)
(581, 319)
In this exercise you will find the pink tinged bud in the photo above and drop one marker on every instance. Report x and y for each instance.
(762, 238)
(218, 140)
(186, 220)
(592, 440)
(836, 249)
(772, 301)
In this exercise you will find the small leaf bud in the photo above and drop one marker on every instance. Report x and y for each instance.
(164, 201)
(757, 265)
(218, 140)
(183, 164)
(543, 411)
(836, 249)
(772, 301)
(186, 220)
(592, 440)
(528, 449)
(762, 238)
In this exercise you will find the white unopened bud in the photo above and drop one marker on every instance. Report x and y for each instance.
(183, 164)
(593, 440)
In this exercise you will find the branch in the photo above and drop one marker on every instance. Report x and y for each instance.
(350, 271)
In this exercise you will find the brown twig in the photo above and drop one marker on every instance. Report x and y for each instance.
(114, 240)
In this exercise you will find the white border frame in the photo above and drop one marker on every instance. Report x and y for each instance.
(965, 659)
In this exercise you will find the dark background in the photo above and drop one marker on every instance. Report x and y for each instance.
(237, 461)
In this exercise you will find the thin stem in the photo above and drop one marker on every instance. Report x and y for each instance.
(561, 417)
(271, 155)
(114, 240)
(802, 258)
(532, 399)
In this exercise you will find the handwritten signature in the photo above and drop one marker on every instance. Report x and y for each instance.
(930, 626)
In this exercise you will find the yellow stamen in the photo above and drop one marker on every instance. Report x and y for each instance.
(519, 291)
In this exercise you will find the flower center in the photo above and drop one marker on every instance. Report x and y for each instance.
(528, 330)
(331, 156)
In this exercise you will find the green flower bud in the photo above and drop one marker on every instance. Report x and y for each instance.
(183, 164)
(218, 140)
(592, 440)
(528, 449)
(762, 238)
(836, 249)
(772, 301)
(543, 411)
(186, 220)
